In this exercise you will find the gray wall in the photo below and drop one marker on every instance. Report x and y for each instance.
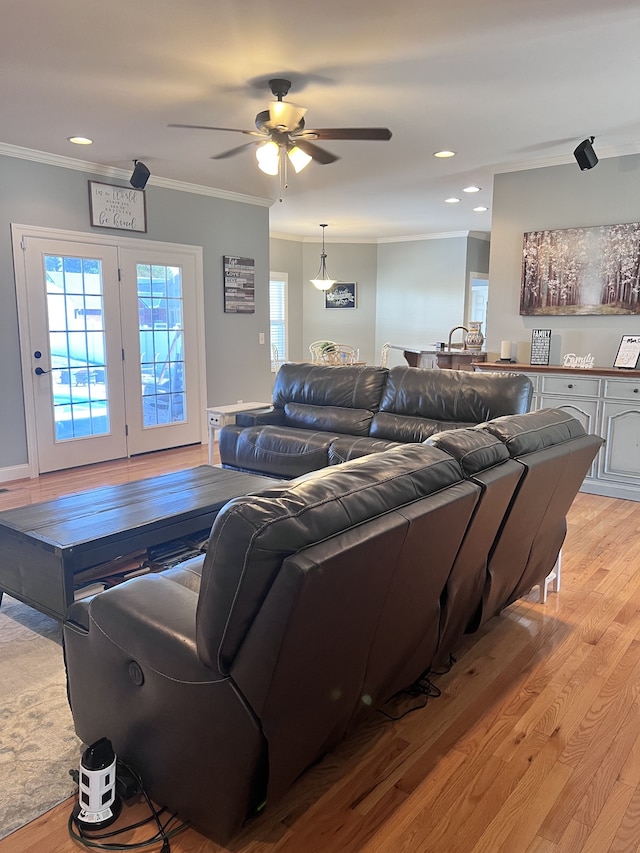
(421, 291)
(345, 262)
(557, 197)
(33, 193)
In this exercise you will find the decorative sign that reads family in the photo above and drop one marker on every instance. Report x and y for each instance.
(540, 346)
(117, 207)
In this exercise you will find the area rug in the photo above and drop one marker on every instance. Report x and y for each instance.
(38, 745)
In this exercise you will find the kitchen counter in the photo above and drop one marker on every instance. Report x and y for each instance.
(427, 355)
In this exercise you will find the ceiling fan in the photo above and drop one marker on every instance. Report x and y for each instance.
(281, 128)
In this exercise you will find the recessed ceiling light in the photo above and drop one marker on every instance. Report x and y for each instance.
(471, 189)
(452, 200)
(445, 154)
(80, 140)
(480, 209)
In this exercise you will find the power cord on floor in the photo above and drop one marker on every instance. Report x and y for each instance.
(422, 688)
(133, 785)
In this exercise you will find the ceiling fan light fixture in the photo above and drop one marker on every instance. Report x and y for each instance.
(286, 116)
(322, 280)
(298, 158)
(268, 157)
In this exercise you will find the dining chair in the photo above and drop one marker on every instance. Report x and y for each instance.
(321, 351)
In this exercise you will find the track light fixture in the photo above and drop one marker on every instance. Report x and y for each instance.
(585, 156)
(322, 280)
(140, 175)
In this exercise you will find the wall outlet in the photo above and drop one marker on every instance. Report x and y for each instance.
(240, 401)
(261, 338)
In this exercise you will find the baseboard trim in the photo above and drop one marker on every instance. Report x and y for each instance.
(14, 472)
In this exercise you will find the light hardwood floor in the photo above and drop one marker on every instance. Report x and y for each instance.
(533, 746)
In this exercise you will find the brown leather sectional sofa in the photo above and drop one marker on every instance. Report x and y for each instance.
(221, 680)
(326, 415)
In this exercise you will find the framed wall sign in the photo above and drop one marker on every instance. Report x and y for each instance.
(122, 208)
(239, 285)
(341, 295)
(628, 352)
(540, 346)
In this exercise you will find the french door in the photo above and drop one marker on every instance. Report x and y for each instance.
(114, 349)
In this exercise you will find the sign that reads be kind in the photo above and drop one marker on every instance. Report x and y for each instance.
(117, 207)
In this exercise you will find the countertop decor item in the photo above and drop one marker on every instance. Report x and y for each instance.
(474, 338)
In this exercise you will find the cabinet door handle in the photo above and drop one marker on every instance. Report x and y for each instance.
(569, 385)
(635, 390)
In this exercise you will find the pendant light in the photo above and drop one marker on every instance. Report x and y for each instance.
(322, 280)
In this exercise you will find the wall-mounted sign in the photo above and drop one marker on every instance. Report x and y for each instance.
(117, 207)
(239, 285)
(341, 295)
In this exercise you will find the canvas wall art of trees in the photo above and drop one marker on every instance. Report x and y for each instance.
(592, 270)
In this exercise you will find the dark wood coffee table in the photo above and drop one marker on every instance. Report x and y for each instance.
(43, 545)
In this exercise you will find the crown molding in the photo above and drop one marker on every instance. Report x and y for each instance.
(443, 235)
(603, 152)
(49, 159)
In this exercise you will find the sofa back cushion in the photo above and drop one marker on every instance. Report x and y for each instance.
(328, 418)
(351, 387)
(252, 535)
(455, 396)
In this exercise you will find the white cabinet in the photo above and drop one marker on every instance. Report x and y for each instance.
(606, 402)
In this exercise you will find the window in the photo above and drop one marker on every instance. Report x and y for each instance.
(278, 319)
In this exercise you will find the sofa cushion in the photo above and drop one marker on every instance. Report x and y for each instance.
(455, 396)
(252, 535)
(345, 448)
(328, 418)
(407, 428)
(523, 434)
(279, 451)
(348, 387)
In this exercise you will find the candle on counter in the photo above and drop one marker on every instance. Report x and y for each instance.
(505, 349)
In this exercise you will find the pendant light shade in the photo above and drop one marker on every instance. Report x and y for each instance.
(322, 280)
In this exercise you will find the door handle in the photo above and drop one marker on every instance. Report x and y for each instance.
(39, 371)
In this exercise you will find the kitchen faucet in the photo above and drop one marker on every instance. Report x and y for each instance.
(455, 328)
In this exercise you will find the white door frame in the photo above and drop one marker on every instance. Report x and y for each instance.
(20, 235)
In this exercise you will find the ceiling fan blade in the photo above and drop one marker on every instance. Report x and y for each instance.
(314, 151)
(367, 133)
(232, 151)
(207, 127)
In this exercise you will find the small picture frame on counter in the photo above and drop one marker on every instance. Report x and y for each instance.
(628, 353)
(540, 346)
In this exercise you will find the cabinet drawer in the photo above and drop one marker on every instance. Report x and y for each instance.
(570, 386)
(623, 389)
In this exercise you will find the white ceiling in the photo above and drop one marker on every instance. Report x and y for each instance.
(507, 84)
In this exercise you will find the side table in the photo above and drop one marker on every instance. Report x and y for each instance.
(219, 416)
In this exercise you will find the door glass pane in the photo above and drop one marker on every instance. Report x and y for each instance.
(75, 316)
(161, 332)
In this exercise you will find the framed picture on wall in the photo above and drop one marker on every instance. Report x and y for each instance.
(239, 285)
(341, 295)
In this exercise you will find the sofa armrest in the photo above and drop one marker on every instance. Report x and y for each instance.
(153, 619)
(260, 416)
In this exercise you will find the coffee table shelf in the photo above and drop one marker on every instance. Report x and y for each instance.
(43, 545)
